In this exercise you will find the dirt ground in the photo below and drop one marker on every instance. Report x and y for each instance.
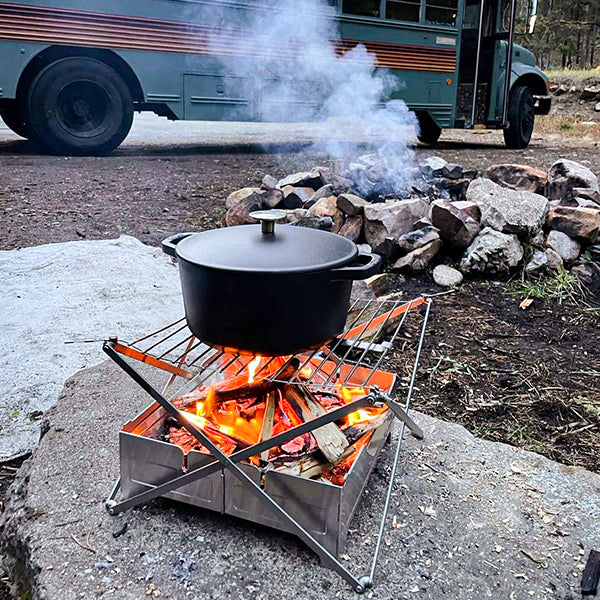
(530, 378)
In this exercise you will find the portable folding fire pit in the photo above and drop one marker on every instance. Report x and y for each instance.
(295, 438)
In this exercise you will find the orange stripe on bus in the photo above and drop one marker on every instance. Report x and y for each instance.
(99, 30)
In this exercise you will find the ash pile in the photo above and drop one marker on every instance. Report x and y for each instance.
(453, 221)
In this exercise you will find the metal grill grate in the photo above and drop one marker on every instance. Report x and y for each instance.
(351, 359)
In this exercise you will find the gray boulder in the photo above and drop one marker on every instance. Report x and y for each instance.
(456, 226)
(392, 220)
(417, 239)
(433, 166)
(518, 177)
(538, 261)
(563, 245)
(492, 252)
(419, 259)
(506, 210)
(446, 276)
(576, 222)
(565, 175)
(312, 179)
(554, 259)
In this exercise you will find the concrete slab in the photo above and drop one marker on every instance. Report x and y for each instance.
(473, 519)
(55, 297)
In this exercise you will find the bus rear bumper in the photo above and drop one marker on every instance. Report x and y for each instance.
(542, 105)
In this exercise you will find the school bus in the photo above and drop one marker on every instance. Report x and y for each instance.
(72, 72)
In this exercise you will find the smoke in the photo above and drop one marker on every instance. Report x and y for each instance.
(291, 60)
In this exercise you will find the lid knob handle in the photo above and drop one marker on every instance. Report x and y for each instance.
(267, 219)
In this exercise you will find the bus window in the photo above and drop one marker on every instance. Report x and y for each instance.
(368, 8)
(403, 10)
(442, 12)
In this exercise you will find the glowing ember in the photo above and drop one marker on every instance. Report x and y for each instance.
(306, 372)
(234, 414)
(252, 367)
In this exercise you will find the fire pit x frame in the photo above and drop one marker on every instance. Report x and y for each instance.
(359, 584)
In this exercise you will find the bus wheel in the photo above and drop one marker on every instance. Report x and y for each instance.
(521, 116)
(429, 130)
(80, 106)
(12, 115)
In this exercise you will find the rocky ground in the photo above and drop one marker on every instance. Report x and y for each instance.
(468, 518)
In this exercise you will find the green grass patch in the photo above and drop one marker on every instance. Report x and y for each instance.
(562, 287)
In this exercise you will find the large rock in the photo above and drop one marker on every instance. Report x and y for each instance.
(392, 219)
(418, 260)
(576, 222)
(480, 502)
(563, 245)
(239, 213)
(518, 177)
(327, 207)
(538, 260)
(433, 166)
(492, 252)
(565, 175)
(240, 195)
(417, 239)
(296, 197)
(446, 276)
(352, 227)
(312, 179)
(456, 226)
(351, 204)
(71, 292)
(506, 210)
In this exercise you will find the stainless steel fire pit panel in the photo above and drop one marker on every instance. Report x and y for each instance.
(314, 504)
(358, 478)
(208, 492)
(145, 461)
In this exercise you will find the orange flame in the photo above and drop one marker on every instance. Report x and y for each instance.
(252, 367)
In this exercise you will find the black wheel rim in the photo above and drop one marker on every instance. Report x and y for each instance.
(82, 108)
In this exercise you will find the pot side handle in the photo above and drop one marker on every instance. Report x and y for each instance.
(371, 267)
(169, 244)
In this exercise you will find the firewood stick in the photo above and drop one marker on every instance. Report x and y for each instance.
(331, 441)
(238, 388)
(356, 431)
(267, 424)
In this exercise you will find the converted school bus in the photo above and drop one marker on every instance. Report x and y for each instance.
(72, 72)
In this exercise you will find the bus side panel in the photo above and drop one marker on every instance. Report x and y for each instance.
(424, 59)
(14, 57)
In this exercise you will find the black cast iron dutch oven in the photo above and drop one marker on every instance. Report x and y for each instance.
(267, 290)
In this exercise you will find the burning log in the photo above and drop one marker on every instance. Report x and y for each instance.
(267, 424)
(357, 430)
(331, 441)
(238, 387)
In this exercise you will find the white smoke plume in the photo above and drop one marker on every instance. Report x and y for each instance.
(300, 77)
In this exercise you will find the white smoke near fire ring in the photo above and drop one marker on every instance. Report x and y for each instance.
(301, 77)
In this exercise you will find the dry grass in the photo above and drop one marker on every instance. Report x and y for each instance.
(567, 124)
(574, 75)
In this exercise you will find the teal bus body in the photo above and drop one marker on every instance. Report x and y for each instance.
(172, 62)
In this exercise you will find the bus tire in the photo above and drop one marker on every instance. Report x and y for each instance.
(80, 106)
(429, 130)
(521, 117)
(14, 118)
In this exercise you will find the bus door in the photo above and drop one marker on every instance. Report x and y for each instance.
(485, 34)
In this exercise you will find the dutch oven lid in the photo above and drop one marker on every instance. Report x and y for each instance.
(265, 248)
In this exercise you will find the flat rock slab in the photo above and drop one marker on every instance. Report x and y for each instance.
(468, 519)
(53, 297)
